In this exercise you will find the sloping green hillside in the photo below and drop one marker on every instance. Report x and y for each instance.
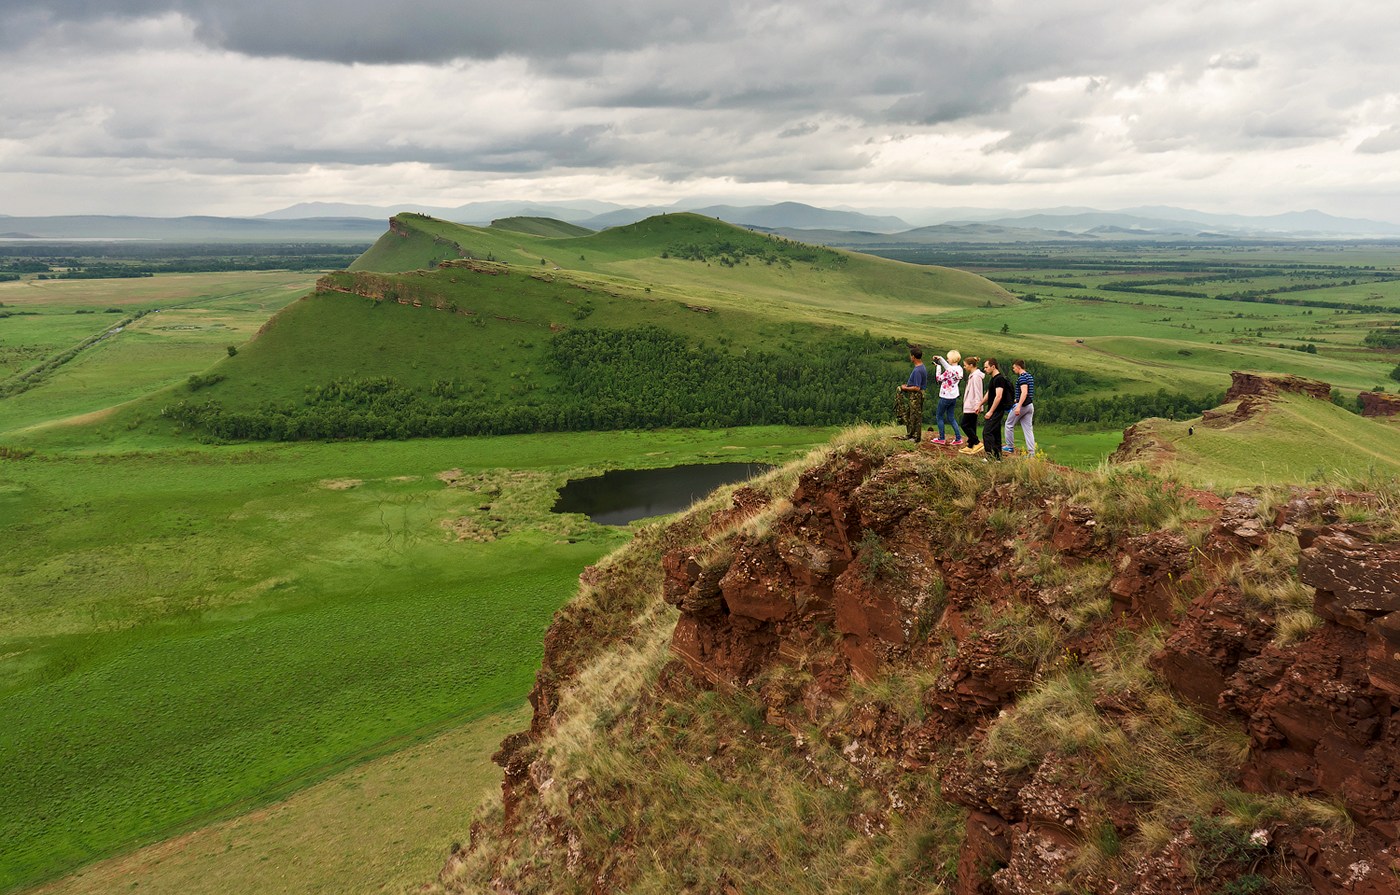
(442, 329)
(540, 227)
(678, 320)
(700, 259)
(1293, 440)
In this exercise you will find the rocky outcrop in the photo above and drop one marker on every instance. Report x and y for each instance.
(1358, 587)
(1251, 393)
(1152, 570)
(1243, 385)
(1141, 443)
(1379, 404)
(878, 569)
(1219, 631)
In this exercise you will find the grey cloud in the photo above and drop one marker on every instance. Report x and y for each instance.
(1018, 141)
(1009, 93)
(1387, 140)
(374, 31)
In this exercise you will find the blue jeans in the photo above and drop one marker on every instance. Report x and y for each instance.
(1026, 418)
(945, 414)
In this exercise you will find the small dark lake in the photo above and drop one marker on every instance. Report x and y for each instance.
(624, 495)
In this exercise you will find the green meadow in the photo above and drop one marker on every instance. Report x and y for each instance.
(188, 633)
(188, 322)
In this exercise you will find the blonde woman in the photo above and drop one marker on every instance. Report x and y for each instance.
(949, 376)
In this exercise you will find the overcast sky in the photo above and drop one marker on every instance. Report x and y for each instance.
(166, 107)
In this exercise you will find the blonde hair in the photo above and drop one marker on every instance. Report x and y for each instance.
(954, 356)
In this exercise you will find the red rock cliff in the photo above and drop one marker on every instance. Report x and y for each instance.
(1075, 661)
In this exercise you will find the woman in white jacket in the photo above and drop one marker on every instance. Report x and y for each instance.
(949, 375)
(973, 400)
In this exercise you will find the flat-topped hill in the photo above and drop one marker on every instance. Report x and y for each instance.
(444, 329)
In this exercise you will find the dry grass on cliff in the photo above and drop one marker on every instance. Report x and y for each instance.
(652, 783)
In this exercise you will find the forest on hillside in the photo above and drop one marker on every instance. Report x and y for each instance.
(647, 378)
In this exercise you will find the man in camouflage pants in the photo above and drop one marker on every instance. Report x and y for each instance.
(912, 395)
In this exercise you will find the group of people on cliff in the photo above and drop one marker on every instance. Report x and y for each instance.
(985, 392)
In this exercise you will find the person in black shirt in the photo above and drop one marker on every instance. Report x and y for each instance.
(998, 400)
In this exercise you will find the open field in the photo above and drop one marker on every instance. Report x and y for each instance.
(1326, 296)
(190, 321)
(383, 826)
(189, 633)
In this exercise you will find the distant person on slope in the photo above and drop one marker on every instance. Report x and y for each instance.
(998, 399)
(914, 393)
(1022, 409)
(973, 400)
(949, 377)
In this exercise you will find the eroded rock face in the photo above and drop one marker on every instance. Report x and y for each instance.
(1358, 585)
(1245, 384)
(1150, 573)
(1140, 443)
(1379, 404)
(1318, 727)
(814, 568)
(858, 577)
(1219, 631)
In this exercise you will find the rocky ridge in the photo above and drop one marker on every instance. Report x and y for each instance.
(976, 679)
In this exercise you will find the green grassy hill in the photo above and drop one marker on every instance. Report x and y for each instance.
(444, 329)
(1295, 440)
(540, 226)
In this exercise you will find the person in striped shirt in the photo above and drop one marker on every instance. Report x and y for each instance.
(1022, 410)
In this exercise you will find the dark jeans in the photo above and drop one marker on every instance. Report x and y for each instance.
(969, 427)
(991, 436)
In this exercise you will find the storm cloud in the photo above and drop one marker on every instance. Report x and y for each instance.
(175, 106)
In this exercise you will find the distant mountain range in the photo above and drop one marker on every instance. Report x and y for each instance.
(601, 215)
(339, 222)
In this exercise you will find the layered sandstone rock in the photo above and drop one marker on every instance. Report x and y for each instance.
(1260, 384)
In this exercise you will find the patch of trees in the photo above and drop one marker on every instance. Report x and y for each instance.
(197, 382)
(1383, 338)
(1140, 288)
(640, 378)
(1027, 281)
(766, 250)
(1122, 410)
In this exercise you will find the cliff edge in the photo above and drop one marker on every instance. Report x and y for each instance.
(880, 670)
